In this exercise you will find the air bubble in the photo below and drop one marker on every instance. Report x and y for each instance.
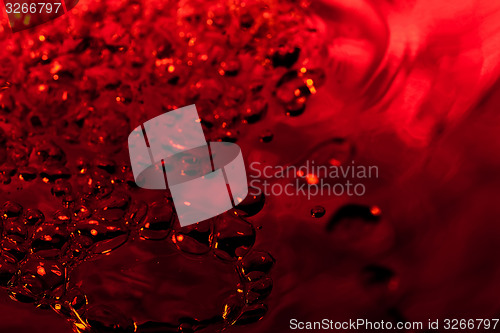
(252, 204)
(255, 109)
(195, 238)
(158, 222)
(234, 236)
(266, 136)
(252, 314)
(33, 216)
(354, 212)
(292, 93)
(11, 209)
(233, 306)
(73, 302)
(104, 236)
(27, 288)
(48, 239)
(259, 290)
(256, 264)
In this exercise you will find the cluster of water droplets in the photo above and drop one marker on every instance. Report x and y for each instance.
(70, 93)
(98, 211)
(67, 105)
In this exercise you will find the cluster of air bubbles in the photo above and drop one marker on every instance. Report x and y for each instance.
(96, 215)
(69, 95)
(107, 66)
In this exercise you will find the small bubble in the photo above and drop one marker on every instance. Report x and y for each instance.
(195, 238)
(252, 314)
(185, 328)
(318, 211)
(259, 290)
(252, 204)
(230, 67)
(11, 209)
(234, 237)
(266, 137)
(255, 110)
(27, 173)
(285, 56)
(73, 300)
(292, 93)
(48, 239)
(61, 188)
(351, 212)
(233, 306)
(13, 251)
(33, 216)
(158, 222)
(27, 288)
(256, 264)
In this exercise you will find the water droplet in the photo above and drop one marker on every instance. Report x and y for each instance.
(51, 174)
(158, 222)
(61, 188)
(352, 212)
(49, 154)
(13, 251)
(285, 55)
(256, 264)
(15, 229)
(81, 211)
(114, 207)
(48, 239)
(255, 109)
(73, 300)
(252, 204)
(292, 93)
(33, 216)
(219, 15)
(234, 236)
(233, 306)
(233, 98)
(43, 276)
(11, 209)
(186, 328)
(252, 314)
(137, 213)
(98, 184)
(27, 173)
(104, 235)
(230, 67)
(258, 290)
(106, 164)
(27, 288)
(75, 250)
(195, 238)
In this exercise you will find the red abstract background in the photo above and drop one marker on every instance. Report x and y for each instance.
(408, 86)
